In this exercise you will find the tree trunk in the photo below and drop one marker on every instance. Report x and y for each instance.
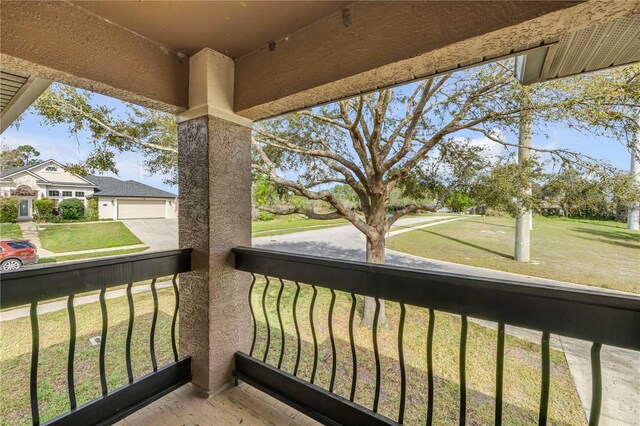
(375, 254)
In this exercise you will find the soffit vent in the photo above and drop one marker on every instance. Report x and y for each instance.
(10, 85)
(595, 48)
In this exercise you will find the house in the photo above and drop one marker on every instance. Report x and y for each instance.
(117, 199)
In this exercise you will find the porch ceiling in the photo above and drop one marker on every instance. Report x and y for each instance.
(288, 55)
(233, 28)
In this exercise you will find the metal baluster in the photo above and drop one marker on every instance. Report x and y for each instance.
(295, 323)
(129, 333)
(103, 341)
(35, 352)
(499, 374)
(282, 335)
(463, 372)
(403, 375)
(596, 385)
(152, 339)
(72, 350)
(313, 334)
(176, 292)
(432, 319)
(376, 353)
(544, 393)
(354, 358)
(266, 319)
(333, 343)
(253, 315)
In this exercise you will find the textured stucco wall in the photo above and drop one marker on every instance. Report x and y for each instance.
(214, 216)
(62, 42)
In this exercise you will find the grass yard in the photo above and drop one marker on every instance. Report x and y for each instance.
(15, 358)
(522, 359)
(85, 236)
(10, 230)
(596, 253)
(56, 259)
(292, 223)
(521, 375)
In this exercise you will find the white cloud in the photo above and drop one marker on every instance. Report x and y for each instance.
(492, 147)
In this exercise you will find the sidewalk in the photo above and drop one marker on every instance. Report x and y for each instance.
(71, 253)
(83, 300)
(30, 232)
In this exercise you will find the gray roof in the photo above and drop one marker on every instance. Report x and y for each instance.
(112, 187)
(13, 170)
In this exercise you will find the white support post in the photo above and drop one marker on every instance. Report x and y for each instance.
(524, 217)
(633, 215)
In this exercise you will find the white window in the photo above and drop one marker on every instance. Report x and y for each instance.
(79, 193)
(51, 169)
(67, 193)
(54, 193)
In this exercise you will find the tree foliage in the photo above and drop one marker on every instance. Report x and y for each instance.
(23, 155)
(410, 138)
(150, 132)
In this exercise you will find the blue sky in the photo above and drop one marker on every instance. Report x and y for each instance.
(55, 142)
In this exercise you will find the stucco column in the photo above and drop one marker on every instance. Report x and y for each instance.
(214, 167)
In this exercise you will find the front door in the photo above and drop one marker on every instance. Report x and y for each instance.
(24, 209)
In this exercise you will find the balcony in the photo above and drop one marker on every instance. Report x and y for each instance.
(309, 360)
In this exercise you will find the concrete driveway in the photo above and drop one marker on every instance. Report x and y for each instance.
(157, 234)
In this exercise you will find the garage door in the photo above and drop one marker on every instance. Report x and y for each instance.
(141, 209)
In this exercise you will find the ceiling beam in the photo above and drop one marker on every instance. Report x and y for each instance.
(62, 42)
(379, 44)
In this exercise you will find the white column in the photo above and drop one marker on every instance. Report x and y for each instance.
(523, 219)
(633, 215)
(214, 167)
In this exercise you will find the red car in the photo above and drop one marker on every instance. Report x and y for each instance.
(15, 253)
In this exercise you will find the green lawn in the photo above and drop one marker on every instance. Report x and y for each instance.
(292, 223)
(10, 230)
(76, 237)
(56, 259)
(596, 253)
(521, 375)
(15, 340)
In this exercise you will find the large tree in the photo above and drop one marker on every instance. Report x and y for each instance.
(23, 155)
(377, 143)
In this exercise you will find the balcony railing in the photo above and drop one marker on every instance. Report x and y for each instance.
(592, 315)
(31, 286)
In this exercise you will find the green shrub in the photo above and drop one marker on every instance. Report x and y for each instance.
(43, 208)
(92, 210)
(265, 216)
(9, 209)
(71, 209)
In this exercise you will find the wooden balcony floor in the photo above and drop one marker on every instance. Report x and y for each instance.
(241, 404)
